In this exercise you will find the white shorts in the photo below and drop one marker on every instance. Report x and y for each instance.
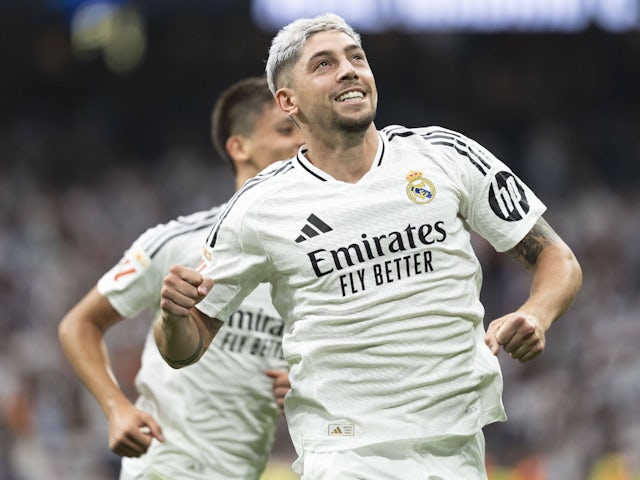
(454, 458)
(166, 464)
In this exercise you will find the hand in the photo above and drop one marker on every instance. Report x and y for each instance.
(131, 431)
(182, 289)
(521, 335)
(281, 386)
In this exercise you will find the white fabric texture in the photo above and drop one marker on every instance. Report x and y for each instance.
(218, 415)
(378, 285)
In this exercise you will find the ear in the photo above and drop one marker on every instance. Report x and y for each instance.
(237, 148)
(286, 100)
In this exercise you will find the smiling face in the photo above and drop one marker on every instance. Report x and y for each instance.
(331, 86)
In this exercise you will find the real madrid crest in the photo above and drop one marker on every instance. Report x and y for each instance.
(419, 189)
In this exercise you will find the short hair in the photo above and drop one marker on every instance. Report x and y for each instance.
(286, 46)
(236, 112)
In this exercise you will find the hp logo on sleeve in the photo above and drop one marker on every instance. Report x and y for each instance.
(507, 197)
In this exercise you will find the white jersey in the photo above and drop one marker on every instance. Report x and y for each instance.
(218, 415)
(378, 283)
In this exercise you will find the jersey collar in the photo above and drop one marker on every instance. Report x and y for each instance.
(311, 169)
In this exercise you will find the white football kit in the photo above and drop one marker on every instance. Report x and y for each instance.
(378, 285)
(219, 415)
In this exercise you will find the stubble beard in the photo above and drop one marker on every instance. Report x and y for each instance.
(353, 125)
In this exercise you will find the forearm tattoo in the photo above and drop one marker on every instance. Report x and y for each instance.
(530, 247)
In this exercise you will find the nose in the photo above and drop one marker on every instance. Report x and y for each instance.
(347, 71)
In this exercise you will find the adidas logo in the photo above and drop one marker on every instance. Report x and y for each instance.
(341, 430)
(313, 228)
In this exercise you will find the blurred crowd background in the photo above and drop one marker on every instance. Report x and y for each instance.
(104, 131)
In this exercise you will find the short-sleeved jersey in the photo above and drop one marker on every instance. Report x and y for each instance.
(378, 284)
(218, 415)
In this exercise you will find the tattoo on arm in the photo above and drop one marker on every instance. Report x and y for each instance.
(530, 247)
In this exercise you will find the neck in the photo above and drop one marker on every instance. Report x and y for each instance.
(244, 174)
(346, 157)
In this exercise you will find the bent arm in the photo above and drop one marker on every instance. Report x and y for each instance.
(81, 334)
(183, 333)
(557, 278)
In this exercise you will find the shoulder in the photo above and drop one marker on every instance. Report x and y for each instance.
(433, 134)
(245, 205)
(433, 141)
(274, 173)
(259, 188)
(181, 230)
(442, 144)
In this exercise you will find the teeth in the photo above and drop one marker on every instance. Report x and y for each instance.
(349, 95)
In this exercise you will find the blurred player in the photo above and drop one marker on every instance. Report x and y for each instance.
(365, 239)
(215, 420)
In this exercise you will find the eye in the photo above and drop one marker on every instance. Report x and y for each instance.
(286, 131)
(359, 57)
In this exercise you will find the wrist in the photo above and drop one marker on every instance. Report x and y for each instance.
(186, 361)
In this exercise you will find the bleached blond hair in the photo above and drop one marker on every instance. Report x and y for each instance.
(287, 45)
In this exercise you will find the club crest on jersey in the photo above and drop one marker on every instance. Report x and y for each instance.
(419, 189)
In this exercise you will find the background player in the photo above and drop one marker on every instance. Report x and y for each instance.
(217, 419)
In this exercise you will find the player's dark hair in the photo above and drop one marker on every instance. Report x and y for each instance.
(236, 111)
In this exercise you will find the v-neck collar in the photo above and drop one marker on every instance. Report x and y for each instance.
(323, 176)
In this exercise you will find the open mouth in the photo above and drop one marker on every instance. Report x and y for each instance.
(352, 95)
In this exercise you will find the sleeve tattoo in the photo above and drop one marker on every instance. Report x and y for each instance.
(530, 247)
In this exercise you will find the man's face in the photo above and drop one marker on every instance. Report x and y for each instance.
(333, 84)
(274, 138)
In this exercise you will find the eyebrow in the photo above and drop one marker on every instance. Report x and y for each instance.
(323, 53)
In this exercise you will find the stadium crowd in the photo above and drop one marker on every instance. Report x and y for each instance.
(84, 160)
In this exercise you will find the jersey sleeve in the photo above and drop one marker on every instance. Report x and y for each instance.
(135, 282)
(235, 258)
(495, 202)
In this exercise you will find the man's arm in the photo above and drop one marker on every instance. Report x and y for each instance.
(557, 278)
(81, 334)
(183, 333)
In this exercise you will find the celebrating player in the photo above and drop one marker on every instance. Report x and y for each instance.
(365, 239)
(217, 419)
